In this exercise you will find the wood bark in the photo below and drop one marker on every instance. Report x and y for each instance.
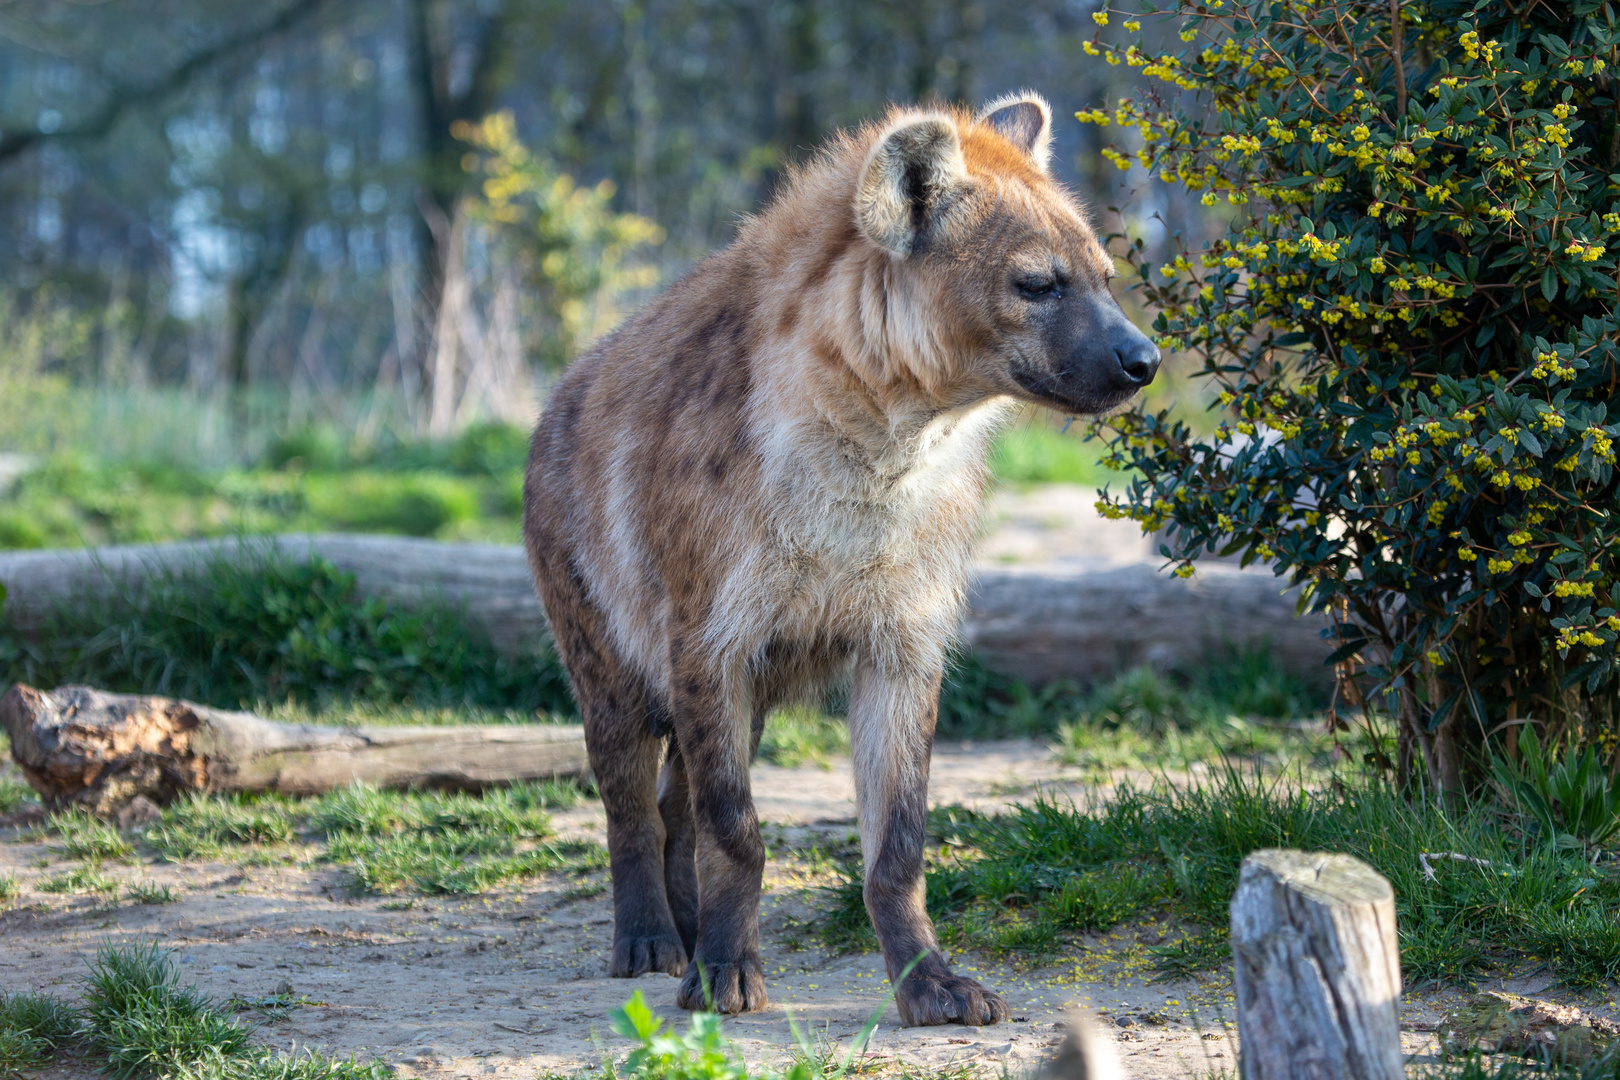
(100, 751)
(1317, 965)
(1036, 626)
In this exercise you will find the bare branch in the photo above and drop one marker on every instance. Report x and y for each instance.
(121, 99)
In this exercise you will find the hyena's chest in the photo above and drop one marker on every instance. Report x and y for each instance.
(852, 568)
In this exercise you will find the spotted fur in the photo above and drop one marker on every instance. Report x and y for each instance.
(772, 478)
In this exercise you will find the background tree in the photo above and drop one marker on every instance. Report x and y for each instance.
(267, 195)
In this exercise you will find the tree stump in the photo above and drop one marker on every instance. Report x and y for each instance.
(1317, 969)
(83, 747)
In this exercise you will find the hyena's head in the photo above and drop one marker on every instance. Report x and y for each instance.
(992, 263)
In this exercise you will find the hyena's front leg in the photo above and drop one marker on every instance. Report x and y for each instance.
(891, 718)
(713, 730)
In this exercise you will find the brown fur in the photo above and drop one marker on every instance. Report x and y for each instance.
(772, 477)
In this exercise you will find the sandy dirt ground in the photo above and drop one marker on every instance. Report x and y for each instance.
(515, 983)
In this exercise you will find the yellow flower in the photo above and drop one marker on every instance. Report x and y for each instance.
(1100, 17)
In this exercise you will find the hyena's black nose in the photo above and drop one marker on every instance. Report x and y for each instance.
(1138, 359)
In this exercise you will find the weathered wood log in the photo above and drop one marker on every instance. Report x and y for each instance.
(83, 747)
(1036, 626)
(1318, 969)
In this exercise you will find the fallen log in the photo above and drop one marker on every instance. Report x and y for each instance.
(82, 747)
(1317, 968)
(1034, 625)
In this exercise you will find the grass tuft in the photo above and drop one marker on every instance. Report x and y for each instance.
(148, 892)
(140, 1022)
(33, 1027)
(82, 879)
(1028, 879)
(84, 836)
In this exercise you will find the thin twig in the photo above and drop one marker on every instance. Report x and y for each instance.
(1395, 48)
(1454, 856)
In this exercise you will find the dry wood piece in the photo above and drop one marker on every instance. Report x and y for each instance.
(83, 747)
(1317, 969)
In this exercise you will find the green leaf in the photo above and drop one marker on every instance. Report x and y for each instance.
(1549, 284)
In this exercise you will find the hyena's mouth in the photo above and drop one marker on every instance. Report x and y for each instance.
(1058, 391)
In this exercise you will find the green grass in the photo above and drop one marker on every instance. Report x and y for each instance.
(1026, 881)
(10, 889)
(262, 627)
(137, 1021)
(87, 838)
(81, 879)
(466, 488)
(1038, 451)
(33, 1029)
(801, 735)
(320, 480)
(386, 841)
(14, 794)
(147, 892)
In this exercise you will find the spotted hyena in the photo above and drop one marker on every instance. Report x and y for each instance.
(771, 478)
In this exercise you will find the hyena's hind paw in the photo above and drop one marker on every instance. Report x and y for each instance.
(733, 988)
(929, 1000)
(634, 956)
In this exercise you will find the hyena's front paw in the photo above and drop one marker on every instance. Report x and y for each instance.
(929, 999)
(634, 955)
(732, 987)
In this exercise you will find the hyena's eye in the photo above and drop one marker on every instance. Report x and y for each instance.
(1038, 288)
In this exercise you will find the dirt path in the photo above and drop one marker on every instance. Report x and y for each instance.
(515, 983)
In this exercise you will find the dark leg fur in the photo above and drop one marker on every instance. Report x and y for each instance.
(892, 730)
(625, 757)
(726, 973)
(680, 847)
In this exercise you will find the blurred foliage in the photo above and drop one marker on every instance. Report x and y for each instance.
(1412, 325)
(575, 250)
(262, 628)
(317, 478)
(243, 196)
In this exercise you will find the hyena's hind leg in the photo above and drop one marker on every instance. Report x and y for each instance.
(680, 846)
(626, 748)
(680, 836)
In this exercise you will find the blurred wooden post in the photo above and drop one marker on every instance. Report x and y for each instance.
(1317, 969)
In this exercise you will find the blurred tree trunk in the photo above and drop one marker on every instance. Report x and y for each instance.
(455, 77)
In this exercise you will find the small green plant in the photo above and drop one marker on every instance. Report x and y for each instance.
(140, 1021)
(33, 1027)
(1572, 799)
(10, 888)
(149, 892)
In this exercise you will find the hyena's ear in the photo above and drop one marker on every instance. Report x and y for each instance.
(1025, 120)
(912, 176)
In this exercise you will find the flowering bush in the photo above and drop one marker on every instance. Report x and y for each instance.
(581, 257)
(1410, 323)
